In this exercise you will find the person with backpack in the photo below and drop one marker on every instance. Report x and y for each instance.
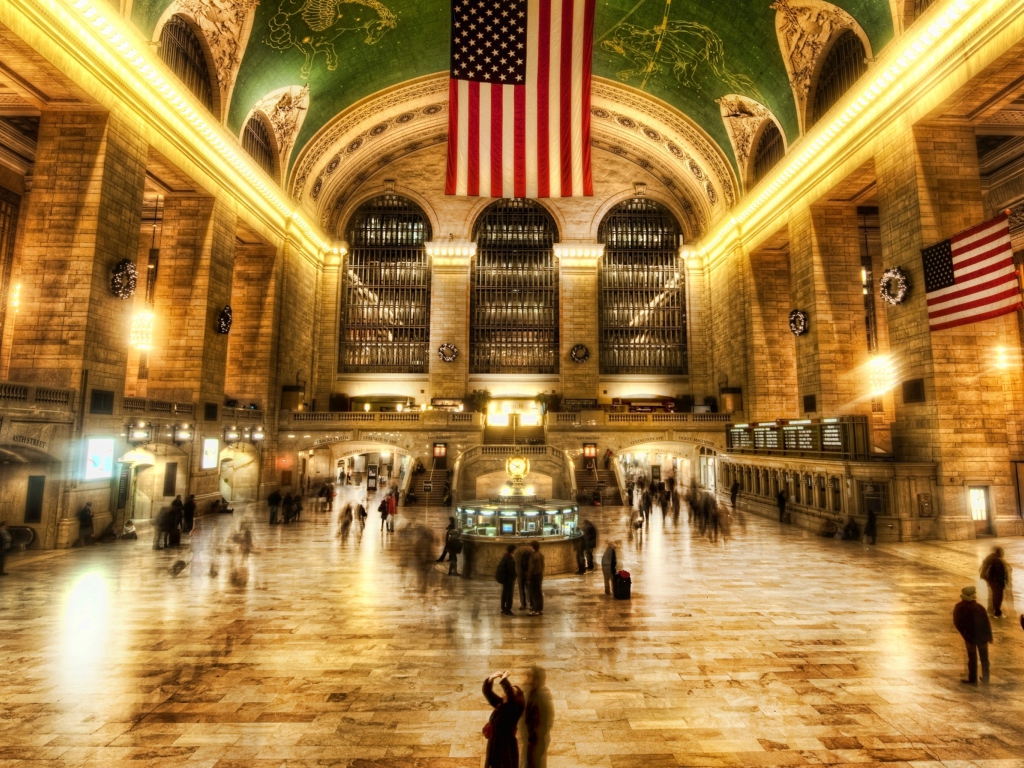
(453, 543)
(506, 576)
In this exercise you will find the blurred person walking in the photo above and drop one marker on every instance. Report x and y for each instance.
(346, 523)
(453, 545)
(589, 543)
(781, 500)
(996, 573)
(188, 514)
(445, 552)
(85, 524)
(971, 621)
(539, 715)
(506, 576)
(6, 542)
(734, 492)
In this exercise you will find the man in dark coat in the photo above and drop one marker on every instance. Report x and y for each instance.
(871, 526)
(523, 563)
(506, 576)
(85, 523)
(502, 747)
(734, 492)
(536, 579)
(971, 621)
(539, 716)
(274, 502)
(188, 511)
(589, 543)
(449, 529)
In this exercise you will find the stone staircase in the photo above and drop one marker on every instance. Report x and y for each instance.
(436, 478)
(587, 481)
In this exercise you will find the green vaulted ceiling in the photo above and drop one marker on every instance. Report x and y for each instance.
(709, 48)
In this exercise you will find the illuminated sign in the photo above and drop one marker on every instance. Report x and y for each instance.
(211, 450)
(99, 458)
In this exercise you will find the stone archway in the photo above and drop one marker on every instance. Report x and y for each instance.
(239, 472)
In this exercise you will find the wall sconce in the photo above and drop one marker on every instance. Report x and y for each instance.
(366, 407)
(182, 433)
(258, 434)
(140, 432)
(141, 334)
(232, 435)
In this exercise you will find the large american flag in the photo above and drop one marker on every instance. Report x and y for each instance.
(971, 276)
(519, 114)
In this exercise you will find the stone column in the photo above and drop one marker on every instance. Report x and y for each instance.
(449, 315)
(83, 216)
(579, 320)
(698, 321)
(772, 392)
(328, 323)
(250, 365)
(729, 318)
(193, 285)
(929, 189)
(825, 283)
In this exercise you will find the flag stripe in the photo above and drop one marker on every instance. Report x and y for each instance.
(961, 238)
(452, 173)
(982, 298)
(961, 263)
(473, 141)
(519, 96)
(543, 76)
(462, 184)
(565, 99)
(1004, 308)
(497, 139)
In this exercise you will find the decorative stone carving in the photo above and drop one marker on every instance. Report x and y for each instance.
(226, 25)
(804, 28)
(743, 118)
(285, 109)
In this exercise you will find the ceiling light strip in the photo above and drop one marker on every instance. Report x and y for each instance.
(890, 75)
(105, 31)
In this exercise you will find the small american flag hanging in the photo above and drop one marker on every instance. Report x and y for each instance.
(971, 276)
(519, 98)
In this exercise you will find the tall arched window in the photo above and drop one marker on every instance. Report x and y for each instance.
(256, 141)
(770, 149)
(843, 65)
(514, 307)
(385, 323)
(642, 291)
(183, 53)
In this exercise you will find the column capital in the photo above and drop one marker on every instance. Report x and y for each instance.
(579, 255)
(451, 253)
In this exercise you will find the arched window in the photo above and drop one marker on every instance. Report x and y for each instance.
(182, 52)
(642, 291)
(256, 141)
(385, 324)
(770, 149)
(514, 303)
(843, 65)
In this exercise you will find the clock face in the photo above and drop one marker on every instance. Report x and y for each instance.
(517, 467)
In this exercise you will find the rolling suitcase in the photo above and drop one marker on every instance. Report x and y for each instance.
(621, 585)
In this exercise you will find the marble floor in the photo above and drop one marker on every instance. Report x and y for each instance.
(776, 649)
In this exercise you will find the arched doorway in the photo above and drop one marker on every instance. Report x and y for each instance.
(158, 473)
(239, 472)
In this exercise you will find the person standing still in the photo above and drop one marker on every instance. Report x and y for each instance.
(274, 502)
(871, 526)
(996, 573)
(734, 492)
(85, 524)
(523, 561)
(971, 621)
(589, 543)
(609, 563)
(449, 529)
(781, 500)
(188, 511)
(506, 576)
(453, 543)
(536, 579)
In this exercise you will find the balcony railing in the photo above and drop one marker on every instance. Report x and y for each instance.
(43, 397)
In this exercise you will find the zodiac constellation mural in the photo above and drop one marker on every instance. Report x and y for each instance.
(685, 47)
(312, 26)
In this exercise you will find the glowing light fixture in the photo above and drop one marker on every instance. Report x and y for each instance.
(366, 407)
(114, 44)
(881, 375)
(141, 334)
(1002, 359)
(16, 297)
(890, 72)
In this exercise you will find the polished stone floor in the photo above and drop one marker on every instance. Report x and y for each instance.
(777, 648)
